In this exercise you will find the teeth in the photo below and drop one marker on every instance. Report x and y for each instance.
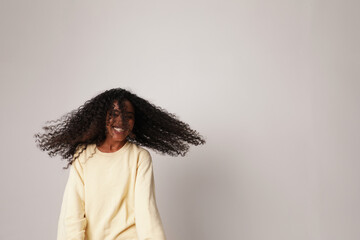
(118, 129)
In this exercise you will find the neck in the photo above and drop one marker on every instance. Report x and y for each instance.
(111, 146)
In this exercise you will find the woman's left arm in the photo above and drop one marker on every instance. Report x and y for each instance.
(147, 217)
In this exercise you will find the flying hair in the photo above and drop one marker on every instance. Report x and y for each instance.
(154, 127)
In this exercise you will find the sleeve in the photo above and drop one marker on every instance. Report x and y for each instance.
(72, 221)
(147, 218)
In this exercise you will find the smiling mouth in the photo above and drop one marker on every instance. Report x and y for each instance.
(118, 130)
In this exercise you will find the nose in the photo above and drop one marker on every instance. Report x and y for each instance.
(118, 122)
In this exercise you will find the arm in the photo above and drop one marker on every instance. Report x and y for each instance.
(147, 218)
(72, 220)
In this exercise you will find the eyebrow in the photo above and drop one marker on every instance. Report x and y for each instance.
(116, 110)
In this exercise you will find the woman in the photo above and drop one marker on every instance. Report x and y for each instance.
(110, 192)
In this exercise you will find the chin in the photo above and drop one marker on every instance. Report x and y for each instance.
(119, 139)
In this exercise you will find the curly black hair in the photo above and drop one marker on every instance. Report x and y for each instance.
(154, 127)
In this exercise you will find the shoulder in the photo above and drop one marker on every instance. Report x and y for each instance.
(84, 152)
(139, 150)
(142, 155)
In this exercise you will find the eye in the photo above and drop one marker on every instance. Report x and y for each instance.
(129, 117)
(115, 115)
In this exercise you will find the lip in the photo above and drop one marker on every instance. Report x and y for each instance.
(116, 132)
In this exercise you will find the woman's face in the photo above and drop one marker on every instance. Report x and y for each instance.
(115, 128)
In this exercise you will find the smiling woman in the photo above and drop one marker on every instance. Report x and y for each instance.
(116, 132)
(103, 141)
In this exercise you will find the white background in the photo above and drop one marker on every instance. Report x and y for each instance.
(273, 86)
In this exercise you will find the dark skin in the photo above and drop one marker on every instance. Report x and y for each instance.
(115, 137)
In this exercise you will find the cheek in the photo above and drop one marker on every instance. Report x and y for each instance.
(108, 121)
(108, 124)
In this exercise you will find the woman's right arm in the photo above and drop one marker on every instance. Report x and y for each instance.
(72, 221)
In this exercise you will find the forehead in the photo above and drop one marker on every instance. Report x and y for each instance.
(129, 107)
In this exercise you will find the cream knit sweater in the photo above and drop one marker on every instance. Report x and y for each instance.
(110, 196)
